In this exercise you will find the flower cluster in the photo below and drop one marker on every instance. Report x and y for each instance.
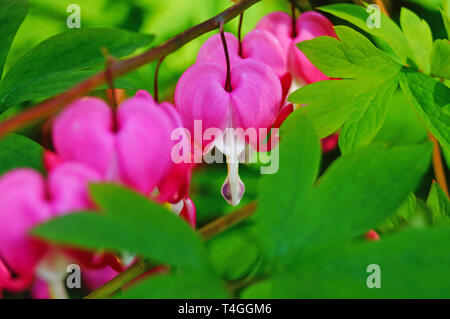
(244, 85)
(233, 84)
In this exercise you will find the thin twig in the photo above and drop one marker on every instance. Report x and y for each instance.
(438, 166)
(383, 9)
(228, 87)
(241, 18)
(155, 81)
(121, 67)
(210, 230)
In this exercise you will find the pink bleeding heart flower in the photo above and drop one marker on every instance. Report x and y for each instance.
(372, 235)
(308, 25)
(28, 200)
(132, 147)
(244, 95)
(259, 45)
(330, 142)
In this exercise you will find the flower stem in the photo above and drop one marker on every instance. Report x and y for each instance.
(438, 166)
(227, 58)
(210, 230)
(383, 9)
(155, 81)
(241, 18)
(294, 29)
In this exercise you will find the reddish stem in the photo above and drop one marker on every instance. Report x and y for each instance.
(155, 81)
(294, 30)
(241, 17)
(227, 58)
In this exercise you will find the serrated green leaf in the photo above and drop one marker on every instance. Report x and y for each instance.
(178, 286)
(388, 30)
(419, 36)
(431, 100)
(439, 204)
(359, 101)
(12, 14)
(413, 264)
(368, 116)
(132, 223)
(352, 56)
(60, 62)
(19, 151)
(440, 59)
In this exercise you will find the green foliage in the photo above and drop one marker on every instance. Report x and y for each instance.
(431, 100)
(440, 59)
(401, 118)
(235, 254)
(19, 151)
(294, 214)
(359, 102)
(281, 193)
(413, 264)
(64, 60)
(130, 222)
(186, 286)
(388, 31)
(445, 12)
(419, 37)
(412, 213)
(12, 14)
(370, 78)
(439, 205)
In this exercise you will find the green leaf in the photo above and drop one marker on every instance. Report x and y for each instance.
(368, 116)
(412, 213)
(388, 30)
(19, 151)
(358, 103)
(352, 56)
(413, 264)
(401, 118)
(293, 214)
(419, 36)
(234, 254)
(178, 286)
(62, 61)
(445, 12)
(431, 100)
(299, 152)
(133, 223)
(359, 191)
(12, 14)
(439, 204)
(440, 59)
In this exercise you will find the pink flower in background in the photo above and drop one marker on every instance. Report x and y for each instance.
(28, 200)
(309, 25)
(132, 147)
(259, 45)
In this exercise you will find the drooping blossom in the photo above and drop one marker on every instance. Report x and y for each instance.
(308, 25)
(131, 146)
(28, 199)
(221, 94)
(259, 45)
